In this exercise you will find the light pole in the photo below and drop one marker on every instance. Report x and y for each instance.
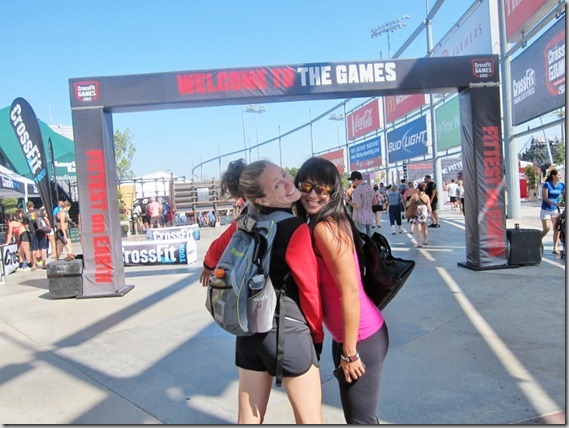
(389, 27)
(337, 118)
(256, 109)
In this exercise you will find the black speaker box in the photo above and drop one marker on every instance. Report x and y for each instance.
(524, 246)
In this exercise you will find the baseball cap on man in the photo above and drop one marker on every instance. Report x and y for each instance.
(356, 175)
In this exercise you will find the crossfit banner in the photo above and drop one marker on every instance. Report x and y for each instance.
(26, 127)
(9, 258)
(538, 76)
(103, 272)
(191, 231)
(485, 212)
(295, 82)
(173, 252)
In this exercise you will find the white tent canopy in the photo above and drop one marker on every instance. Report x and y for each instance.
(13, 185)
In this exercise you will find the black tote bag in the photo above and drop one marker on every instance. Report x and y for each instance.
(383, 275)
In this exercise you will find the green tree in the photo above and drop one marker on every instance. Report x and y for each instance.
(9, 206)
(124, 153)
(291, 171)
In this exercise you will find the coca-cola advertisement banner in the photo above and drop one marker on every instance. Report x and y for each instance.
(408, 141)
(522, 15)
(364, 120)
(337, 158)
(316, 81)
(400, 105)
(538, 76)
(366, 155)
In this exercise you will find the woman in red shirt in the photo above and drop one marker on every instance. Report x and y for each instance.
(267, 187)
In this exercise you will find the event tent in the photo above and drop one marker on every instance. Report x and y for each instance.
(63, 150)
(13, 185)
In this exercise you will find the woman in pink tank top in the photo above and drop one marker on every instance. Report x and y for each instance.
(360, 337)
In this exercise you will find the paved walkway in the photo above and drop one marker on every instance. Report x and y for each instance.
(466, 347)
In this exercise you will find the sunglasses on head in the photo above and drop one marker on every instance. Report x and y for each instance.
(320, 189)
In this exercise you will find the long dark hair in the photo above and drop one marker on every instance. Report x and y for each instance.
(551, 174)
(324, 172)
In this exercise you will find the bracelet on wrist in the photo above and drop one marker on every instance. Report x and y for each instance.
(350, 359)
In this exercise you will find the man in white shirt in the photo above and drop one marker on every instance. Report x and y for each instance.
(453, 194)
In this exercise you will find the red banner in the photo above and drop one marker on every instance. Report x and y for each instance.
(364, 120)
(400, 105)
(523, 12)
(337, 158)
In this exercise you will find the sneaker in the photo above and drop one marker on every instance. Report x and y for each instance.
(26, 269)
(432, 225)
(438, 225)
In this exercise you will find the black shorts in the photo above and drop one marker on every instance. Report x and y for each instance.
(453, 198)
(60, 236)
(258, 352)
(377, 208)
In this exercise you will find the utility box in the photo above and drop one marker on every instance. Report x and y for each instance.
(65, 278)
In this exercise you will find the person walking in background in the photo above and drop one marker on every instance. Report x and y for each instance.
(377, 207)
(268, 188)
(411, 190)
(62, 230)
(154, 209)
(461, 196)
(551, 192)
(432, 193)
(362, 199)
(453, 194)
(394, 202)
(360, 336)
(423, 209)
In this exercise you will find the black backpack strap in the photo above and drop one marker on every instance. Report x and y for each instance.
(281, 313)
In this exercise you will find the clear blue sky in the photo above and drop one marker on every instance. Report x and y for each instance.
(44, 43)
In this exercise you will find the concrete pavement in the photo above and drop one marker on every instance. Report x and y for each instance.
(466, 347)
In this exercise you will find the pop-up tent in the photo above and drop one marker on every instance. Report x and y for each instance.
(13, 185)
(63, 150)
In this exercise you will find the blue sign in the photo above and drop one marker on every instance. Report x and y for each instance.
(365, 155)
(408, 141)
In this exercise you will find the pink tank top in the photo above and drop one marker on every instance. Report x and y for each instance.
(371, 319)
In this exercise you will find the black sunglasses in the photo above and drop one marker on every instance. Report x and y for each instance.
(306, 187)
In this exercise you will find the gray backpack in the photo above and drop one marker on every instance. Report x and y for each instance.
(244, 302)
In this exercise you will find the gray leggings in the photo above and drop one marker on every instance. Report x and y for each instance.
(361, 398)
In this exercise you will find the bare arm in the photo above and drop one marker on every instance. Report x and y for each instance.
(339, 259)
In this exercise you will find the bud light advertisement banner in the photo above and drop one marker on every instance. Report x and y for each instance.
(173, 252)
(408, 141)
(26, 127)
(538, 76)
(366, 155)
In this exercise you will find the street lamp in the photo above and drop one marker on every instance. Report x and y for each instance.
(389, 27)
(337, 118)
(256, 109)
